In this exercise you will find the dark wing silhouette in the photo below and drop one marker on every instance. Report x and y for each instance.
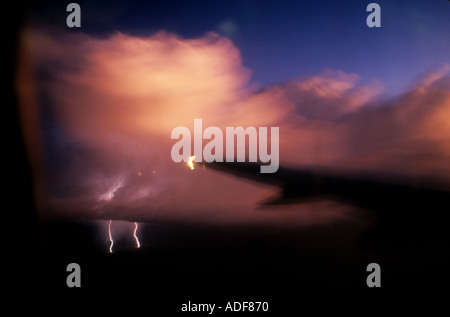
(402, 206)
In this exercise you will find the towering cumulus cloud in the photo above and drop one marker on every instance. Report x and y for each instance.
(107, 108)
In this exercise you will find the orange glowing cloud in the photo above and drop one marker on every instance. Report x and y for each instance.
(148, 85)
(117, 99)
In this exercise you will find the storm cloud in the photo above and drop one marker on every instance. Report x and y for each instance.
(100, 141)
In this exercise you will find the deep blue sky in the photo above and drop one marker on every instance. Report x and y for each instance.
(282, 40)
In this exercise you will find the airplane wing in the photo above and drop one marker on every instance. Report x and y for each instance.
(366, 189)
(406, 209)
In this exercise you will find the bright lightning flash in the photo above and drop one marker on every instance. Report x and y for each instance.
(134, 235)
(190, 162)
(110, 237)
(138, 244)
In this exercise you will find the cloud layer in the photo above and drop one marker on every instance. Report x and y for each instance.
(109, 106)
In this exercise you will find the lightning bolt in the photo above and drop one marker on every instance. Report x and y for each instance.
(134, 235)
(110, 237)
